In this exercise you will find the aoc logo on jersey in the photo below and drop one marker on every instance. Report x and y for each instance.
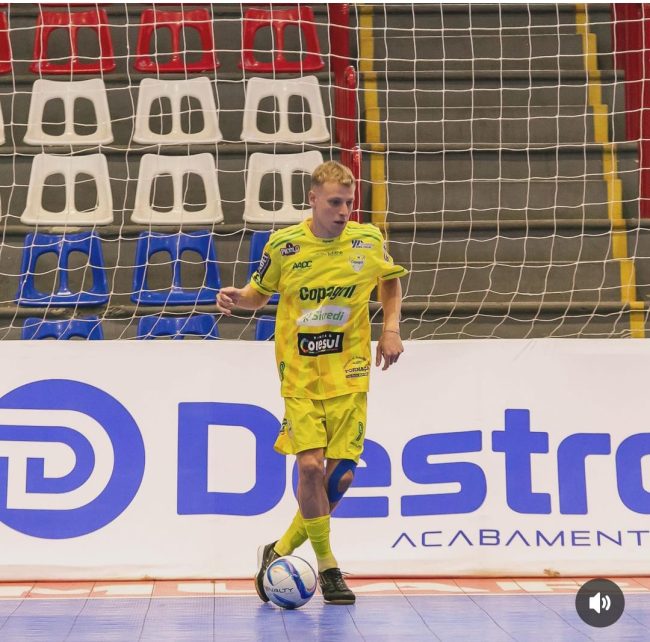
(289, 249)
(312, 345)
(301, 265)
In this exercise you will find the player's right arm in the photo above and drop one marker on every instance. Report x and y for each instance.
(246, 298)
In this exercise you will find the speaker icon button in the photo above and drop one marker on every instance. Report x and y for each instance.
(600, 602)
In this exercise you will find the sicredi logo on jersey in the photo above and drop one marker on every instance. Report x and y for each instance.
(312, 345)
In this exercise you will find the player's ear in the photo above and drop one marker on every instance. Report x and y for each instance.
(312, 197)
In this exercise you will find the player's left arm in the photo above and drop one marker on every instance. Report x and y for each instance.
(390, 345)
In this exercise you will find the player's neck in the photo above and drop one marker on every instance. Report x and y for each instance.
(321, 232)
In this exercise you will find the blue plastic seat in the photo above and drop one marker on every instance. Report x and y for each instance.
(89, 328)
(36, 245)
(149, 243)
(258, 241)
(265, 328)
(203, 325)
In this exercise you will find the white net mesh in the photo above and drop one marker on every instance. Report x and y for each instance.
(493, 145)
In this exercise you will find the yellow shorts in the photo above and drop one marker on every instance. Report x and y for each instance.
(338, 425)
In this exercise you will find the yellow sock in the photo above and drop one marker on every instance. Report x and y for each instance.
(293, 538)
(318, 531)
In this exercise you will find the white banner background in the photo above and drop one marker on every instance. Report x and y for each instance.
(569, 387)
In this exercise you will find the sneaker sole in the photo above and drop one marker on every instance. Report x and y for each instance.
(259, 586)
(342, 601)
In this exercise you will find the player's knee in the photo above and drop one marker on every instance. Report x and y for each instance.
(311, 468)
(340, 480)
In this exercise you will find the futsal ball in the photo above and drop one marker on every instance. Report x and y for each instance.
(289, 582)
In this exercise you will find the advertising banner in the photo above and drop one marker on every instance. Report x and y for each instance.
(125, 460)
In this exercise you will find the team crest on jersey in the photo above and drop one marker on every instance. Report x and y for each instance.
(357, 262)
(289, 249)
(358, 244)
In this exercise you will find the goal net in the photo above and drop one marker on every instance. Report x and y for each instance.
(147, 151)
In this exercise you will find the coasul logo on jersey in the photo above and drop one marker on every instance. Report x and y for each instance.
(358, 244)
(54, 496)
(289, 249)
(312, 345)
(332, 292)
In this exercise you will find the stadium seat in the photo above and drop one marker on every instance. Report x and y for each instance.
(89, 328)
(155, 165)
(259, 165)
(265, 328)
(44, 91)
(306, 88)
(71, 167)
(202, 325)
(48, 21)
(153, 20)
(5, 46)
(278, 20)
(36, 245)
(154, 91)
(258, 241)
(149, 243)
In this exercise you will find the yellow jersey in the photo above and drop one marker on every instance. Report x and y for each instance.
(322, 329)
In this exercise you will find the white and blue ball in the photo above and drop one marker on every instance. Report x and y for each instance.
(290, 582)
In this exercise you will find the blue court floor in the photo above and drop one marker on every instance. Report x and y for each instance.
(504, 609)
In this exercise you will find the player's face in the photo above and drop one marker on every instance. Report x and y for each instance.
(331, 205)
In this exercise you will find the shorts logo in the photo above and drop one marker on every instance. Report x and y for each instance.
(357, 367)
(289, 249)
(281, 368)
(325, 315)
(301, 265)
(359, 432)
(358, 244)
(357, 262)
(312, 345)
(265, 264)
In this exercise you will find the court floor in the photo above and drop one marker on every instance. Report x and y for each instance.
(386, 609)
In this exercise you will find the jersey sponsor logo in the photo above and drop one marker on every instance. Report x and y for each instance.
(312, 345)
(358, 244)
(301, 265)
(325, 315)
(289, 249)
(332, 292)
(357, 262)
(265, 264)
(357, 367)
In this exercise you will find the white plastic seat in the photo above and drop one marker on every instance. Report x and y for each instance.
(45, 90)
(306, 87)
(153, 165)
(46, 165)
(286, 165)
(152, 89)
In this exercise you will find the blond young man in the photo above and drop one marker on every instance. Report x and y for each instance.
(325, 270)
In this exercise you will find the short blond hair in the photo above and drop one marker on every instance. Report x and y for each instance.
(332, 172)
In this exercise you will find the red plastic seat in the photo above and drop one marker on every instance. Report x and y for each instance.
(94, 19)
(175, 21)
(278, 20)
(5, 46)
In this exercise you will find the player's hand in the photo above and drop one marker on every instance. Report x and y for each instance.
(227, 299)
(389, 348)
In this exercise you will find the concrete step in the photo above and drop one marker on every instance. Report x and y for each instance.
(487, 125)
(513, 282)
(538, 246)
(495, 199)
(425, 50)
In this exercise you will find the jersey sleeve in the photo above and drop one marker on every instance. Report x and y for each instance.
(385, 267)
(266, 278)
